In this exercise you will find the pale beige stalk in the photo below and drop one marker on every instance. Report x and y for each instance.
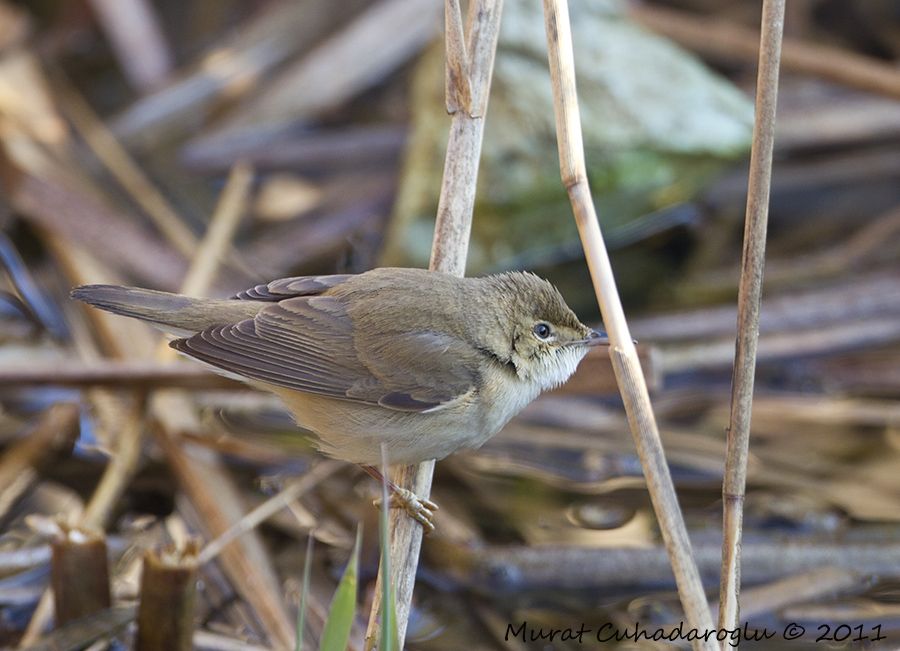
(749, 295)
(624, 357)
(467, 103)
(270, 507)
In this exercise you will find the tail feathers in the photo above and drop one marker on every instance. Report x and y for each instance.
(173, 313)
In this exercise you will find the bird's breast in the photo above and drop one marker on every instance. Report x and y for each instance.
(503, 395)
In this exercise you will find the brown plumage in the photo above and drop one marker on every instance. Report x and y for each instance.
(422, 361)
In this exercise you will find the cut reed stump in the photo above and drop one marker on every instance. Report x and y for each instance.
(168, 600)
(79, 574)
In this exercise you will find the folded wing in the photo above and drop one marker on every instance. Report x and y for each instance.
(310, 344)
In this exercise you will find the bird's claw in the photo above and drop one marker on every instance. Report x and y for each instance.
(418, 508)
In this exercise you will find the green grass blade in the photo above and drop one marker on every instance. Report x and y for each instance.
(389, 641)
(304, 595)
(336, 635)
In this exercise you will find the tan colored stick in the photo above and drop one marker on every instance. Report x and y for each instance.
(725, 40)
(120, 164)
(137, 39)
(448, 254)
(230, 209)
(749, 294)
(124, 169)
(624, 357)
(138, 374)
(270, 507)
(56, 430)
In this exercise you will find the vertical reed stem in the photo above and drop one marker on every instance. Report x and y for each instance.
(623, 354)
(467, 103)
(749, 294)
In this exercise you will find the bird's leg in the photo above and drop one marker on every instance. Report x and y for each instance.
(418, 508)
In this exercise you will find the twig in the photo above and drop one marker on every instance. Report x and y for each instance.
(121, 467)
(80, 633)
(727, 40)
(346, 63)
(623, 353)
(57, 429)
(116, 374)
(862, 297)
(323, 151)
(268, 508)
(200, 472)
(749, 295)
(123, 167)
(829, 339)
(448, 254)
(510, 569)
(230, 70)
(134, 31)
(812, 585)
(203, 478)
(222, 226)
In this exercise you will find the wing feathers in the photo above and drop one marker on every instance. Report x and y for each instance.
(278, 290)
(308, 343)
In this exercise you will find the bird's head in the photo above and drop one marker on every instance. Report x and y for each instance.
(541, 336)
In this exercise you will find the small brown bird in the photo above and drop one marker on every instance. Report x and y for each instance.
(423, 362)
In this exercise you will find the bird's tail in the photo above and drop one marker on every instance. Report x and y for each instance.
(179, 315)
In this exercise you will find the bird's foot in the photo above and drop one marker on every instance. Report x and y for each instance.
(418, 508)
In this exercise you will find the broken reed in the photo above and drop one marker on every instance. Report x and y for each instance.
(79, 574)
(168, 600)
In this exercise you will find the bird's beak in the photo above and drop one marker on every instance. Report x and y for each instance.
(594, 338)
(597, 338)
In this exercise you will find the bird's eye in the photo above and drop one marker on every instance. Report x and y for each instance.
(542, 331)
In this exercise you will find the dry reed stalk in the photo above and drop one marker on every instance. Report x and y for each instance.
(623, 353)
(348, 62)
(121, 467)
(143, 375)
(511, 569)
(103, 143)
(230, 69)
(208, 486)
(165, 620)
(594, 374)
(726, 40)
(232, 206)
(79, 574)
(128, 423)
(467, 103)
(254, 518)
(57, 429)
(814, 585)
(201, 474)
(749, 296)
(133, 29)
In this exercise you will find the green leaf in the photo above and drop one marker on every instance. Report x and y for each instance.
(389, 641)
(304, 595)
(336, 635)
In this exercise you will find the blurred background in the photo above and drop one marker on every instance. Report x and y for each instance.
(312, 134)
